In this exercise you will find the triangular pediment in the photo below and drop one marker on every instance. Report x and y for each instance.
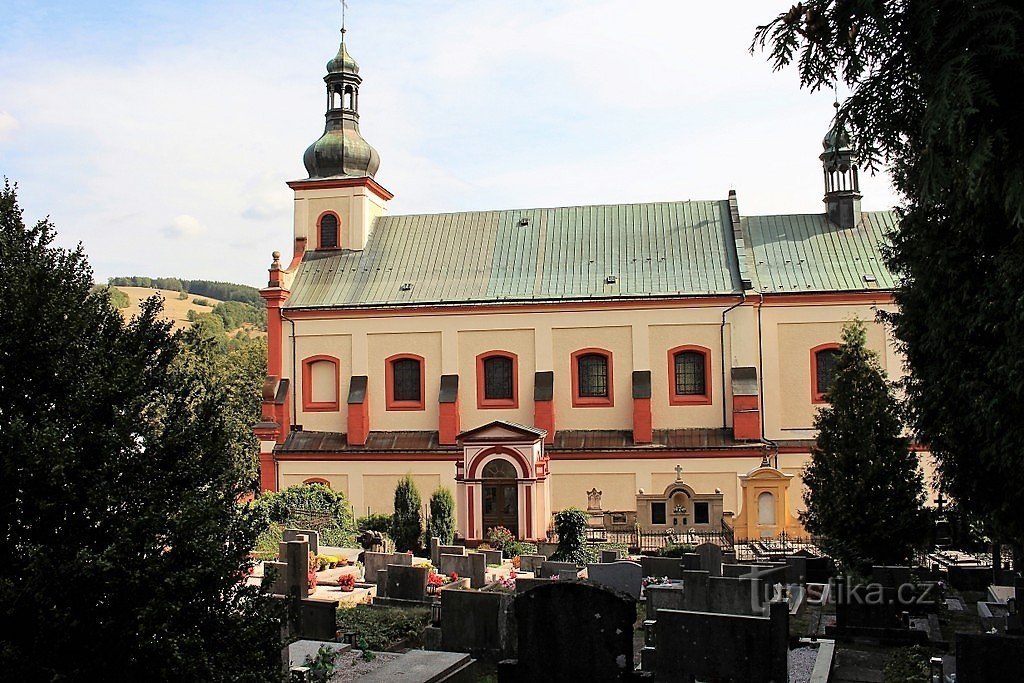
(501, 431)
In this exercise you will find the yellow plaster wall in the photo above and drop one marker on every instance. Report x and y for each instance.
(471, 343)
(379, 489)
(618, 490)
(617, 340)
(383, 346)
(308, 470)
(338, 346)
(665, 337)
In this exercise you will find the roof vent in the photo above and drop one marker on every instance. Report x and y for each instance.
(870, 281)
(610, 280)
(406, 287)
(523, 222)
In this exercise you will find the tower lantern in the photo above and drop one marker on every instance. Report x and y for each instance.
(842, 188)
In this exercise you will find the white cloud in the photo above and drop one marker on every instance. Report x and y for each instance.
(8, 124)
(184, 227)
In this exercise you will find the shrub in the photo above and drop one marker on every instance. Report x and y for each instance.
(499, 537)
(378, 521)
(442, 516)
(908, 665)
(281, 508)
(197, 301)
(519, 548)
(675, 549)
(407, 523)
(571, 526)
(381, 628)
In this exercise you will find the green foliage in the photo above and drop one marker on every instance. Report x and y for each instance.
(322, 666)
(119, 459)
(935, 96)
(268, 542)
(675, 549)
(519, 548)
(378, 521)
(225, 291)
(442, 516)
(234, 314)
(407, 522)
(198, 301)
(182, 295)
(908, 665)
(571, 527)
(863, 482)
(499, 537)
(118, 299)
(378, 629)
(292, 506)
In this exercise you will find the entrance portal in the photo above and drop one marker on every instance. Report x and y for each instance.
(500, 496)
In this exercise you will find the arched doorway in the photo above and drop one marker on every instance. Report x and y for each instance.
(500, 496)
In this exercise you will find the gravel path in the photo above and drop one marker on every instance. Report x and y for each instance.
(801, 664)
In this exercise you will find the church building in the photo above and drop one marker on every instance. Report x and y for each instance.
(658, 363)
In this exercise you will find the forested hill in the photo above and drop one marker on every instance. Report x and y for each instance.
(224, 291)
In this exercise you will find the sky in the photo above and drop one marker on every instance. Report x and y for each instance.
(160, 134)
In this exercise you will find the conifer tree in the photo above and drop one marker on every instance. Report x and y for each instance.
(864, 485)
(442, 516)
(407, 522)
(122, 543)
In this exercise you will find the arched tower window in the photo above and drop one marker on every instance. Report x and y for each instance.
(689, 375)
(823, 369)
(328, 230)
(350, 98)
(592, 378)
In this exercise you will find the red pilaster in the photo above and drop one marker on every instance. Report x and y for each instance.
(448, 423)
(544, 418)
(358, 423)
(268, 472)
(746, 418)
(643, 423)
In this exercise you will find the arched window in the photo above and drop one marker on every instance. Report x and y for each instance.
(404, 378)
(320, 379)
(766, 508)
(823, 368)
(689, 370)
(317, 480)
(349, 97)
(328, 231)
(498, 469)
(592, 378)
(497, 380)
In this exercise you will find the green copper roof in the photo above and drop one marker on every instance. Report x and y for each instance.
(581, 252)
(806, 253)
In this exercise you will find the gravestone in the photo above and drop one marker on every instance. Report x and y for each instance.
(549, 569)
(796, 569)
(472, 567)
(696, 585)
(435, 555)
(476, 622)
(546, 549)
(727, 595)
(890, 576)
(382, 583)
(295, 555)
(492, 556)
(970, 578)
(568, 574)
(622, 576)
(728, 557)
(531, 563)
(406, 582)
(735, 571)
(276, 573)
(670, 567)
(665, 596)
(574, 631)
(608, 556)
(710, 556)
(984, 657)
(691, 561)
(725, 647)
(375, 561)
(525, 583)
(819, 569)
(312, 537)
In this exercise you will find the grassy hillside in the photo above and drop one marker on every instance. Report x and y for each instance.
(175, 309)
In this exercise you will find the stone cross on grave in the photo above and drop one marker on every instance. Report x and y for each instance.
(679, 472)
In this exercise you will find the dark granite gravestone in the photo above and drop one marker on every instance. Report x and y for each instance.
(476, 622)
(549, 569)
(727, 595)
(670, 567)
(984, 657)
(375, 561)
(710, 556)
(890, 576)
(970, 578)
(524, 584)
(574, 631)
(691, 561)
(725, 647)
(622, 576)
(796, 569)
(406, 582)
(312, 537)
(531, 563)
(492, 556)
(608, 556)
(472, 566)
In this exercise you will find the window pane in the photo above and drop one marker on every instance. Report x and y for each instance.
(690, 380)
(498, 377)
(657, 513)
(329, 231)
(499, 469)
(701, 513)
(593, 376)
(825, 366)
(406, 374)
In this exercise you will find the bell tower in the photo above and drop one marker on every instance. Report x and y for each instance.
(842, 188)
(336, 206)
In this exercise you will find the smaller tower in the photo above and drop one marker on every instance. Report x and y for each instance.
(842, 188)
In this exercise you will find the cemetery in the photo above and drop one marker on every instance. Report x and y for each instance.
(765, 612)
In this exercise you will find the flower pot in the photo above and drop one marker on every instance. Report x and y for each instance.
(347, 588)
